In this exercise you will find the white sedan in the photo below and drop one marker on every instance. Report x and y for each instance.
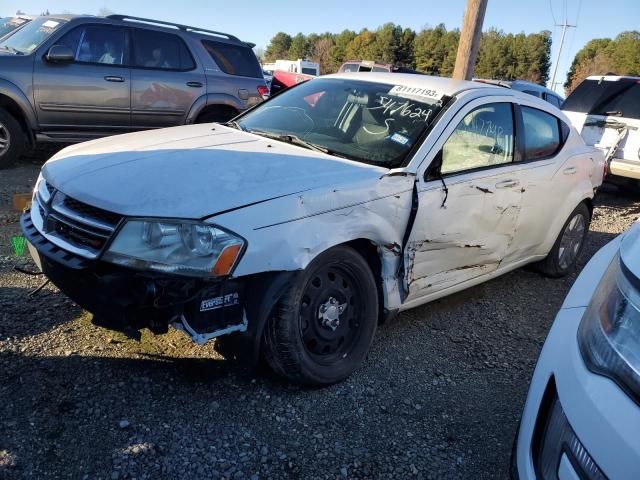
(299, 226)
(582, 415)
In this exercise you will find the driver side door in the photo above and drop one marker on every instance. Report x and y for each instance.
(91, 93)
(468, 202)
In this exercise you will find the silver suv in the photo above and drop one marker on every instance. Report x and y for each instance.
(68, 78)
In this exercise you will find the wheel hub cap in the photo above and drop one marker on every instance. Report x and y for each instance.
(571, 241)
(5, 139)
(329, 313)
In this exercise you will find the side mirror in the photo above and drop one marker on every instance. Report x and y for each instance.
(60, 54)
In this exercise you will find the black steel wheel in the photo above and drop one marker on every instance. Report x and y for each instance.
(324, 325)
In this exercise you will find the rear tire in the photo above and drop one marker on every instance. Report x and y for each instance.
(562, 258)
(13, 141)
(323, 326)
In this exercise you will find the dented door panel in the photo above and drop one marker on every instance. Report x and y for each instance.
(467, 237)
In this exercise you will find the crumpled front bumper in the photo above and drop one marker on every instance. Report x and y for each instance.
(128, 300)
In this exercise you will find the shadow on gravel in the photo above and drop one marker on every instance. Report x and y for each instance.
(22, 315)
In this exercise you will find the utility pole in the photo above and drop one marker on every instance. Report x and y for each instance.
(469, 39)
(564, 26)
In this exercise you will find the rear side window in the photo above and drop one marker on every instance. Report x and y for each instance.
(234, 59)
(349, 67)
(163, 51)
(553, 100)
(532, 92)
(541, 134)
(614, 98)
(380, 69)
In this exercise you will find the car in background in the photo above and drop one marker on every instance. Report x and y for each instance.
(300, 66)
(528, 87)
(70, 78)
(606, 112)
(582, 414)
(10, 24)
(299, 226)
(371, 66)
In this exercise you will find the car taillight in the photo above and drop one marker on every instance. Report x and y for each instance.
(263, 90)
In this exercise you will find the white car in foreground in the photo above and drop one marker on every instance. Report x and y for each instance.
(582, 415)
(303, 223)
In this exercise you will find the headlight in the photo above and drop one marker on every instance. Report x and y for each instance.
(609, 334)
(175, 246)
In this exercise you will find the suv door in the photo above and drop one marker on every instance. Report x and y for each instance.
(468, 201)
(93, 91)
(166, 80)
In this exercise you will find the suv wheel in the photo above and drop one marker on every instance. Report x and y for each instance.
(12, 139)
(323, 327)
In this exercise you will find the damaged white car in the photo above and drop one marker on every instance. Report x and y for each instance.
(297, 228)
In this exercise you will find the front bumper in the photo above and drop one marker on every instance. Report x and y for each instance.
(127, 300)
(576, 424)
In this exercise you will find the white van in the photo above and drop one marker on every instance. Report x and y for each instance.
(606, 112)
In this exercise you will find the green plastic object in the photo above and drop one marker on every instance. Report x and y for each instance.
(19, 244)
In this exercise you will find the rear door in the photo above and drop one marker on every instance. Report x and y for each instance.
(92, 92)
(468, 201)
(165, 77)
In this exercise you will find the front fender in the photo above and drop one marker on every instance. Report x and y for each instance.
(13, 92)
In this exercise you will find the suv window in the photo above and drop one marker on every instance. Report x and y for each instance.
(234, 59)
(553, 100)
(483, 138)
(620, 98)
(103, 44)
(541, 134)
(349, 67)
(160, 50)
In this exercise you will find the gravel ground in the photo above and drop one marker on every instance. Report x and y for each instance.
(438, 397)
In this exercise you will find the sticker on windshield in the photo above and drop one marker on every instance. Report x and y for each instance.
(415, 93)
(50, 24)
(401, 139)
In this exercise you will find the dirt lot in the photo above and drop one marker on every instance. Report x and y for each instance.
(439, 396)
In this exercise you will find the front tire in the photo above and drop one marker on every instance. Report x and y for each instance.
(12, 139)
(323, 326)
(565, 251)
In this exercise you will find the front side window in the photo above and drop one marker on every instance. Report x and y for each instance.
(483, 138)
(349, 67)
(541, 134)
(553, 100)
(368, 122)
(160, 50)
(234, 59)
(309, 71)
(102, 44)
(32, 35)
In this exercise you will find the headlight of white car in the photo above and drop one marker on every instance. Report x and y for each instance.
(609, 334)
(176, 246)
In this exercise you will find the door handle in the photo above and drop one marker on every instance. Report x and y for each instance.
(114, 78)
(194, 84)
(507, 184)
(570, 171)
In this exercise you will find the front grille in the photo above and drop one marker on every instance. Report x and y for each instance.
(554, 438)
(77, 226)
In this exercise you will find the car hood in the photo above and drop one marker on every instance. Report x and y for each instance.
(193, 171)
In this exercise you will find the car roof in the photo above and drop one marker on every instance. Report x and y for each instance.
(518, 84)
(443, 85)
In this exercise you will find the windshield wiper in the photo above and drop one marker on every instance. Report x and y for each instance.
(236, 125)
(12, 49)
(292, 139)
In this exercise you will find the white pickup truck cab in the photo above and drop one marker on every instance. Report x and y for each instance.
(606, 112)
(299, 226)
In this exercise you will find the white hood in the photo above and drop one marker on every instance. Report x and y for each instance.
(193, 171)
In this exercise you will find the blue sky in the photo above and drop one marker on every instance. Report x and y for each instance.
(258, 21)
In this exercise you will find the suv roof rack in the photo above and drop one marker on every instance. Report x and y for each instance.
(179, 26)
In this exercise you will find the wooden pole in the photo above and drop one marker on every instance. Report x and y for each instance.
(469, 39)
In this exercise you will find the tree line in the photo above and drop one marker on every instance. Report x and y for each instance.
(502, 55)
(618, 56)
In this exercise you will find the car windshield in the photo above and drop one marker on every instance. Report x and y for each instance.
(619, 98)
(28, 38)
(9, 24)
(369, 122)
